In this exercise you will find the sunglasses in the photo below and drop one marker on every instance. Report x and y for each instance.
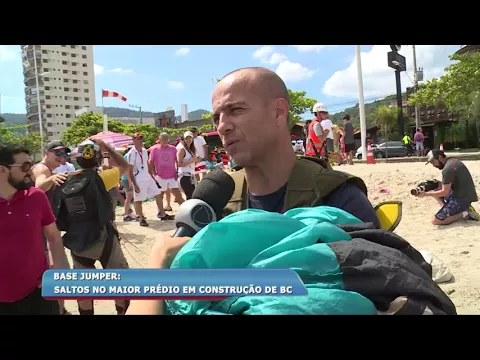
(60, 153)
(25, 167)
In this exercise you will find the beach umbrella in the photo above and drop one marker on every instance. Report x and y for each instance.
(116, 140)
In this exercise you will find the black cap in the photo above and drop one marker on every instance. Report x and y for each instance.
(57, 145)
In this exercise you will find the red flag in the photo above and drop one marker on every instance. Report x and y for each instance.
(106, 93)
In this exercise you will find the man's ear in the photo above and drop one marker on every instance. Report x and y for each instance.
(282, 113)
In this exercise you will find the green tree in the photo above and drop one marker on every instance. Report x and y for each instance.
(299, 105)
(455, 133)
(89, 124)
(16, 135)
(386, 119)
(455, 87)
(149, 132)
(207, 116)
(458, 89)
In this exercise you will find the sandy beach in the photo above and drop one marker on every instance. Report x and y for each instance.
(458, 245)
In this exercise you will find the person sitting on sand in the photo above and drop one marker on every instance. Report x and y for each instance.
(457, 191)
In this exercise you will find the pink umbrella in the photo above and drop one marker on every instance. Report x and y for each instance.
(116, 140)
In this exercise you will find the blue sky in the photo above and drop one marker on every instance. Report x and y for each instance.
(159, 76)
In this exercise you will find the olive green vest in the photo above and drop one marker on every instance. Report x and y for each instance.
(311, 180)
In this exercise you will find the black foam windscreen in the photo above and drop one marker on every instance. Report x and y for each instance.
(216, 189)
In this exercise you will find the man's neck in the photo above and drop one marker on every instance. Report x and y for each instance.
(138, 148)
(7, 191)
(271, 174)
(164, 145)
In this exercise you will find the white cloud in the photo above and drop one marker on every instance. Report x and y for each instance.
(182, 51)
(290, 71)
(175, 85)
(311, 48)
(287, 70)
(7, 53)
(267, 55)
(379, 79)
(121, 71)
(98, 69)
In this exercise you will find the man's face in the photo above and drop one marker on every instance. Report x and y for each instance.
(56, 157)
(164, 140)
(195, 134)
(19, 174)
(323, 115)
(138, 141)
(439, 163)
(246, 121)
(64, 160)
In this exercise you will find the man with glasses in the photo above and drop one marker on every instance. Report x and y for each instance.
(26, 214)
(46, 180)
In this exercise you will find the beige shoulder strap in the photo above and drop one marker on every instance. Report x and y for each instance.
(239, 198)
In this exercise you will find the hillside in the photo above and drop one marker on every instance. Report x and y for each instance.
(370, 110)
(14, 119)
(114, 112)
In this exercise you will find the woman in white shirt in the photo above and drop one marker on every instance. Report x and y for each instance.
(186, 164)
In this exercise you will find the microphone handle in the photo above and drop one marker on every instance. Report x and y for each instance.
(184, 230)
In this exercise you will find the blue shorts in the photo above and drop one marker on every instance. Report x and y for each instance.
(452, 207)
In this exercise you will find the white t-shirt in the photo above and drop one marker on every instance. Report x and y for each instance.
(327, 124)
(199, 142)
(190, 169)
(139, 162)
(67, 168)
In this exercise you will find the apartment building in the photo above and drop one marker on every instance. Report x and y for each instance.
(66, 83)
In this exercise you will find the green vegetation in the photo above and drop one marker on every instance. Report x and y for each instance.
(459, 90)
(114, 112)
(370, 112)
(17, 134)
(90, 124)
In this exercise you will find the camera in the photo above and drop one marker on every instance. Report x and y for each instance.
(425, 186)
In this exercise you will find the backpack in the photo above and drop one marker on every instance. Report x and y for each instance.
(83, 208)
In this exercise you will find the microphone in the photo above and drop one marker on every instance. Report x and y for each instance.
(208, 200)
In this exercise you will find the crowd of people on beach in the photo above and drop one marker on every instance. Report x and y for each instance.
(250, 110)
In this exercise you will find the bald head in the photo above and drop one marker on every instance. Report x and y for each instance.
(251, 110)
(261, 80)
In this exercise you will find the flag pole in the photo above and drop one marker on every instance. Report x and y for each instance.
(361, 102)
(104, 116)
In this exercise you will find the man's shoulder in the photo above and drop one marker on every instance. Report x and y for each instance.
(41, 168)
(35, 194)
(325, 174)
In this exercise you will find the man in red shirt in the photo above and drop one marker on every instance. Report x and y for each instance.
(25, 213)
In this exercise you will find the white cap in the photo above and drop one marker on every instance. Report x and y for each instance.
(319, 107)
(187, 134)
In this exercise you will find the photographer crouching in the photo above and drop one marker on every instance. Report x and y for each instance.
(455, 193)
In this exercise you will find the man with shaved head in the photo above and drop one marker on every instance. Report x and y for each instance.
(251, 112)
